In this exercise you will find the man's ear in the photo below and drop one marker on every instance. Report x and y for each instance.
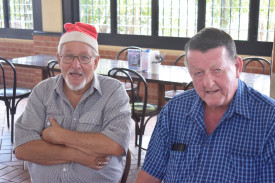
(238, 66)
(96, 62)
(58, 58)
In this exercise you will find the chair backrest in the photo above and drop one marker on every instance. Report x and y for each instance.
(188, 86)
(51, 67)
(260, 60)
(127, 167)
(7, 67)
(130, 75)
(179, 58)
(124, 52)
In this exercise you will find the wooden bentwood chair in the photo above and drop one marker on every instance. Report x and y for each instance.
(140, 109)
(51, 68)
(9, 92)
(260, 60)
(127, 167)
(123, 55)
(171, 93)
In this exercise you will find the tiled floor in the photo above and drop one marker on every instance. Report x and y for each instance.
(11, 169)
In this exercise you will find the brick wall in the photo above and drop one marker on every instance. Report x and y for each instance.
(10, 48)
(45, 45)
(15, 48)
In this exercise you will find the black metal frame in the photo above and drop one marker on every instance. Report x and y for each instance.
(250, 47)
(176, 92)
(125, 52)
(51, 67)
(10, 94)
(260, 60)
(139, 118)
(127, 167)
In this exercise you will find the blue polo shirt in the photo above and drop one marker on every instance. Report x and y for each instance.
(240, 149)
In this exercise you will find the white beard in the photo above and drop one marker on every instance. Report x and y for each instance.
(73, 87)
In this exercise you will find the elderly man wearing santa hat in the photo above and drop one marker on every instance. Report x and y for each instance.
(76, 126)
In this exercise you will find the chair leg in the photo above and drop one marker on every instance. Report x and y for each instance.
(12, 126)
(139, 149)
(13, 111)
(7, 103)
(137, 133)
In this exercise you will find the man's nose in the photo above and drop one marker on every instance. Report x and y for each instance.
(208, 80)
(76, 62)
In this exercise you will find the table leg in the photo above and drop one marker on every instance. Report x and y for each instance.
(44, 74)
(161, 95)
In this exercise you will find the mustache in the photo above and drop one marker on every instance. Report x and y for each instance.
(75, 72)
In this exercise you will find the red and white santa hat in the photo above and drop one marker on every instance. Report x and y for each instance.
(82, 32)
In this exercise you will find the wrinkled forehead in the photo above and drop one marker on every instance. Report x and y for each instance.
(219, 51)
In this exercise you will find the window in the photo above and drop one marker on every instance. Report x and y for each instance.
(20, 14)
(266, 25)
(97, 13)
(168, 24)
(134, 17)
(230, 16)
(2, 25)
(178, 18)
(19, 18)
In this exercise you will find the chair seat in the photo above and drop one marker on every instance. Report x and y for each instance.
(171, 93)
(128, 86)
(20, 92)
(150, 108)
(141, 109)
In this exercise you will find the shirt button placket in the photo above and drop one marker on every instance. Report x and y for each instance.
(64, 173)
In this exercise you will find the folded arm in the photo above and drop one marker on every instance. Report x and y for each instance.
(144, 177)
(44, 153)
(90, 143)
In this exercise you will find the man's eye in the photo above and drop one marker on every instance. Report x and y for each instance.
(84, 57)
(68, 56)
(198, 73)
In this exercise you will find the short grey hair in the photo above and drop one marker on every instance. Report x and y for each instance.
(209, 38)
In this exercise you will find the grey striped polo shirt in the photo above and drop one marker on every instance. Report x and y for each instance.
(103, 108)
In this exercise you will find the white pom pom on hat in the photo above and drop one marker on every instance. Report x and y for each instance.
(82, 32)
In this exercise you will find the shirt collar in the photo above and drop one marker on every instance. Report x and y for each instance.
(239, 104)
(96, 84)
(197, 109)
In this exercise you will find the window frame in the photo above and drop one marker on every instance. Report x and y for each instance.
(71, 14)
(22, 33)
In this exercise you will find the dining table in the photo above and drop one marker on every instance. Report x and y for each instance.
(168, 74)
(260, 82)
(35, 62)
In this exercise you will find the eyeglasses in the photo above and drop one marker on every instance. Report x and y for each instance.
(83, 59)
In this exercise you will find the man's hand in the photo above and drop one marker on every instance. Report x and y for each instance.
(96, 163)
(53, 133)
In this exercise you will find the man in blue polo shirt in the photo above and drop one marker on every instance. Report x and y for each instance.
(220, 131)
